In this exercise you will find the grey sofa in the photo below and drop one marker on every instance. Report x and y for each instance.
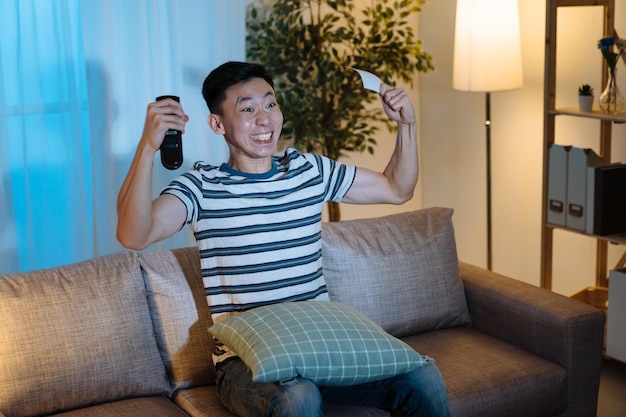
(126, 334)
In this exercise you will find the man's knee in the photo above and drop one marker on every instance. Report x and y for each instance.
(424, 391)
(300, 397)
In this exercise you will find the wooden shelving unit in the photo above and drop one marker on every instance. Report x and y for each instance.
(604, 140)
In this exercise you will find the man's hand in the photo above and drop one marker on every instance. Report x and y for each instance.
(397, 105)
(161, 116)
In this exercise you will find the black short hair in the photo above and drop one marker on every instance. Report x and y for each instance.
(226, 75)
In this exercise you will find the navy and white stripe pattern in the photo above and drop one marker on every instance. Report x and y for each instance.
(259, 234)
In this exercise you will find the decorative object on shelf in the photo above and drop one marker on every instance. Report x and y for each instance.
(585, 97)
(487, 58)
(611, 100)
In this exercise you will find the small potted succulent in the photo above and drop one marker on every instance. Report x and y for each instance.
(585, 97)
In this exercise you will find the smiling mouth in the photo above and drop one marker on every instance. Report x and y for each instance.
(262, 137)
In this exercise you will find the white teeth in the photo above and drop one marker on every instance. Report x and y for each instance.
(261, 137)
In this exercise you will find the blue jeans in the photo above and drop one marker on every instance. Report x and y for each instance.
(419, 393)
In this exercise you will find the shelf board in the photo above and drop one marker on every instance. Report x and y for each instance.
(595, 296)
(619, 238)
(596, 113)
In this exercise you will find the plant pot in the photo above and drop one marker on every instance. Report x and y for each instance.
(585, 103)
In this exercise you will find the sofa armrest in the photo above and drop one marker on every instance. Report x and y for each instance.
(557, 328)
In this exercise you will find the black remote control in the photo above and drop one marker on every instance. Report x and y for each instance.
(172, 146)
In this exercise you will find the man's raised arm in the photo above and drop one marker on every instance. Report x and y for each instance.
(142, 221)
(396, 184)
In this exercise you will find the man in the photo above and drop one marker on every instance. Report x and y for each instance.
(257, 222)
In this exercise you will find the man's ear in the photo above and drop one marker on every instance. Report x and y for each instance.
(216, 124)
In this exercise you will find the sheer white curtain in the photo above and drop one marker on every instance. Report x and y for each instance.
(76, 77)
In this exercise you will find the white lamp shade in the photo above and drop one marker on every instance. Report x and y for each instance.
(487, 49)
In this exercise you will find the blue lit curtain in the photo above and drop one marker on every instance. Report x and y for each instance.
(75, 79)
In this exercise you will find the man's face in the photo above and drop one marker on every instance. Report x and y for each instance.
(251, 122)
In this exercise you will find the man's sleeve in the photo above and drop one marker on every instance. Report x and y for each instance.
(183, 187)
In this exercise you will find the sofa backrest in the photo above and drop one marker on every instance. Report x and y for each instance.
(76, 335)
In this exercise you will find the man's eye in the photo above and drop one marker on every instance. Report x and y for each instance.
(248, 110)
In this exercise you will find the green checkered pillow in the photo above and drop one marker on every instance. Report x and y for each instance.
(327, 342)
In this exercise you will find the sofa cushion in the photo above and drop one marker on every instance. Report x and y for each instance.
(487, 377)
(204, 402)
(134, 407)
(181, 315)
(399, 270)
(327, 342)
(77, 335)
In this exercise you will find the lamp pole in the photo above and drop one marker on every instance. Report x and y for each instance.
(488, 163)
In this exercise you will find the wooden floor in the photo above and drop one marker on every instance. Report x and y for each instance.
(612, 395)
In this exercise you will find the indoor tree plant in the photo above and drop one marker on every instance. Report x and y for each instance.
(310, 46)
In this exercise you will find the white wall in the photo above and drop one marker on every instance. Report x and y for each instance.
(453, 143)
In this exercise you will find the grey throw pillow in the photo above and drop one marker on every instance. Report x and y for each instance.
(180, 314)
(401, 270)
(75, 336)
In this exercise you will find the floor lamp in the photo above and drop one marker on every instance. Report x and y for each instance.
(487, 58)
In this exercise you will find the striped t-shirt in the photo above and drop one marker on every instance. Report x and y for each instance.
(259, 234)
